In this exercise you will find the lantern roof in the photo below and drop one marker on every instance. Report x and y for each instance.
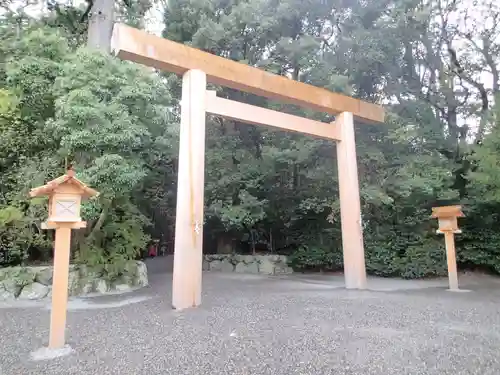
(447, 211)
(66, 179)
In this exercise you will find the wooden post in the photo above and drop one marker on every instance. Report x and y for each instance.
(188, 248)
(451, 259)
(448, 225)
(60, 287)
(65, 196)
(350, 206)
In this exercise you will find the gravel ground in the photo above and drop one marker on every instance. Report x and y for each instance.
(264, 325)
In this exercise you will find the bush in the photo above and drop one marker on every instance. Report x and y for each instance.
(381, 260)
(119, 241)
(18, 237)
(479, 248)
(315, 258)
(426, 260)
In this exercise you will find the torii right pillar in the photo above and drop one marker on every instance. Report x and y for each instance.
(350, 205)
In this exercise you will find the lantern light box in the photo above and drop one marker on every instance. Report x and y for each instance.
(447, 218)
(65, 197)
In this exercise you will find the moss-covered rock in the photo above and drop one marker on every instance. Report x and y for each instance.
(271, 264)
(36, 282)
(34, 291)
(15, 278)
(44, 276)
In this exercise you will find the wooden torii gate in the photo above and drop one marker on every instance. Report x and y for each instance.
(198, 68)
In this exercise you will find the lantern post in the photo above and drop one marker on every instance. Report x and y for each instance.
(65, 195)
(448, 225)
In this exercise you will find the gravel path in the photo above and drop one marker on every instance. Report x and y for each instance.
(264, 325)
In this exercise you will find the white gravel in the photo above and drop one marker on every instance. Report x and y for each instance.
(265, 325)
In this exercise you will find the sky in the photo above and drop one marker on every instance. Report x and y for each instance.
(154, 17)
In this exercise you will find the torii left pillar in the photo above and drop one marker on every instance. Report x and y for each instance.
(188, 248)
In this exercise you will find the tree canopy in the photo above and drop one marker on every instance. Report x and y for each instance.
(434, 64)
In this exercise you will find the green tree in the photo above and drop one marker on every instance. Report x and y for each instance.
(110, 119)
(266, 190)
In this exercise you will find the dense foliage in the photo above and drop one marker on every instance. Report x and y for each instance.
(433, 63)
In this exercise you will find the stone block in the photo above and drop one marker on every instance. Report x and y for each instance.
(123, 288)
(245, 258)
(282, 269)
(206, 265)
(223, 265)
(266, 265)
(15, 278)
(212, 257)
(141, 274)
(34, 291)
(247, 267)
(89, 273)
(30, 283)
(281, 266)
(74, 281)
(215, 265)
(44, 354)
(87, 288)
(44, 276)
(227, 266)
(5, 295)
(12, 287)
(272, 257)
(101, 286)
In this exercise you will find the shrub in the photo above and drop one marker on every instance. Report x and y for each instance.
(314, 258)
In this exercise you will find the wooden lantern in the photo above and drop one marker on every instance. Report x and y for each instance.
(447, 218)
(65, 196)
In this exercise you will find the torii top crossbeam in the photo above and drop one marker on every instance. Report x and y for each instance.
(138, 46)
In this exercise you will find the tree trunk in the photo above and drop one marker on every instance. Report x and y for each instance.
(224, 244)
(253, 241)
(143, 7)
(271, 240)
(101, 19)
(100, 222)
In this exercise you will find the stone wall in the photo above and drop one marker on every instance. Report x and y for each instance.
(33, 283)
(257, 264)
